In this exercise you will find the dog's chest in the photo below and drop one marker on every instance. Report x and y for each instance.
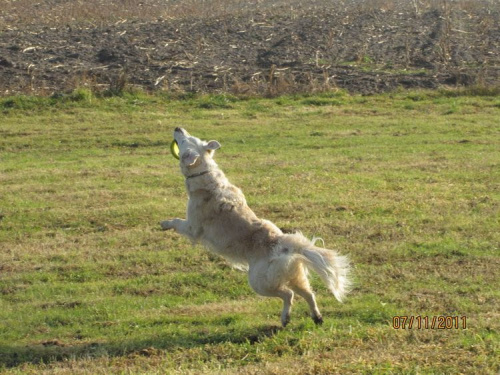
(222, 214)
(200, 205)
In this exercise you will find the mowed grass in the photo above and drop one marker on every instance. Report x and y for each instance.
(405, 184)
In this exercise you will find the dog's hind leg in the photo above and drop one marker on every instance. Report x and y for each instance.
(287, 296)
(301, 286)
(308, 295)
(262, 285)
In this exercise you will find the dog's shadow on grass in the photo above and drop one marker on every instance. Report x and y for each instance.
(55, 350)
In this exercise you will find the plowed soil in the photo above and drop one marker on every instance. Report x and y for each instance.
(289, 49)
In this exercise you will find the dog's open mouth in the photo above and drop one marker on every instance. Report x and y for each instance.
(174, 149)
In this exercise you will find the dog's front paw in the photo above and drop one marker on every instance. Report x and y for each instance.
(166, 225)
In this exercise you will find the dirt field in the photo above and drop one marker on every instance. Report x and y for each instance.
(259, 48)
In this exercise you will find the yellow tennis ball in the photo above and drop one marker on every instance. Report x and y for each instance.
(174, 149)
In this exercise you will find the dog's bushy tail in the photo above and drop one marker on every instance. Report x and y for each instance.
(333, 268)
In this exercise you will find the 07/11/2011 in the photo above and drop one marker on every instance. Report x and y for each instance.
(425, 322)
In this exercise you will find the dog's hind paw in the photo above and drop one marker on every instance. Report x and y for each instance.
(318, 319)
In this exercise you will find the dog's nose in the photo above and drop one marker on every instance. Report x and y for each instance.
(181, 131)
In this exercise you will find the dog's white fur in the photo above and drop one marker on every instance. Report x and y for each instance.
(219, 217)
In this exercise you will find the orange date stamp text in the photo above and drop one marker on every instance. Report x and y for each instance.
(429, 322)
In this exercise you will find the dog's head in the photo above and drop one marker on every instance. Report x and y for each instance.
(195, 155)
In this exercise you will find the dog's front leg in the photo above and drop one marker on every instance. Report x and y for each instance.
(179, 225)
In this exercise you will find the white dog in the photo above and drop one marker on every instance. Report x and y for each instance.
(219, 218)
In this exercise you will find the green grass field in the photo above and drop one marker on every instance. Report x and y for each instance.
(406, 184)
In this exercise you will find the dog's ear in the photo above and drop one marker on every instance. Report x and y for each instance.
(212, 146)
(190, 158)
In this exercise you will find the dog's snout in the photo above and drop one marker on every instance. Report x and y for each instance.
(179, 130)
